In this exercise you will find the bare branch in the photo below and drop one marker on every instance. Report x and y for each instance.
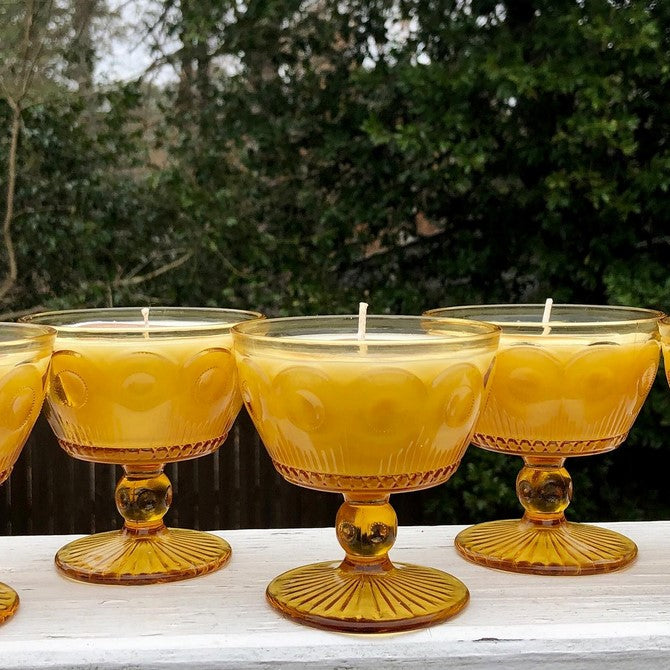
(30, 211)
(25, 56)
(8, 96)
(30, 64)
(157, 63)
(139, 279)
(153, 257)
(84, 19)
(13, 104)
(228, 263)
(150, 28)
(125, 281)
(12, 271)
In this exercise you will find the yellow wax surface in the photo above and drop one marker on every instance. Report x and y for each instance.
(376, 337)
(141, 392)
(560, 387)
(140, 324)
(364, 413)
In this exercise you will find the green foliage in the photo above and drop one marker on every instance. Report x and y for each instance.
(79, 209)
(494, 151)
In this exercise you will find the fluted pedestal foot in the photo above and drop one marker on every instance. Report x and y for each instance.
(122, 557)
(366, 593)
(336, 596)
(561, 549)
(144, 551)
(9, 602)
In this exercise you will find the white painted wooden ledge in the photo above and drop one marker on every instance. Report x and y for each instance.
(221, 621)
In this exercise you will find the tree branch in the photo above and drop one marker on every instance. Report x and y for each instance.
(29, 73)
(134, 280)
(151, 259)
(140, 279)
(12, 271)
(31, 211)
(25, 59)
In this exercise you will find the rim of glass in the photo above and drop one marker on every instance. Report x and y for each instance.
(25, 335)
(464, 332)
(70, 320)
(486, 313)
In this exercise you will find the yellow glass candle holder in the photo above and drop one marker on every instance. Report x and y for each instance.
(571, 386)
(142, 393)
(664, 327)
(24, 359)
(366, 418)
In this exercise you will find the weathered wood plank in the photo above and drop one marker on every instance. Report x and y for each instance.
(619, 621)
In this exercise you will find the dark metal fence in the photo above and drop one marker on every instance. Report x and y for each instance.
(236, 487)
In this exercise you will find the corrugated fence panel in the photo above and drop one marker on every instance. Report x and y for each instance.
(236, 487)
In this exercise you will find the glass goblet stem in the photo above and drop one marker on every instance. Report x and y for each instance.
(143, 496)
(544, 488)
(366, 527)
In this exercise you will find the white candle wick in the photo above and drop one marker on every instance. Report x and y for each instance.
(546, 316)
(362, 317)
(145, 316)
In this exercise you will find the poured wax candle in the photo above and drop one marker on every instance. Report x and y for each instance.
(569, 384)
(142, 388)
(365, 407)
(123, 389)
(580, 379)
(403, 401)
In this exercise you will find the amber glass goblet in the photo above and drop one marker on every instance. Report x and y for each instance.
(572, 386)
(664, 326)
(142, 392)
(366, 418)
(24, 360)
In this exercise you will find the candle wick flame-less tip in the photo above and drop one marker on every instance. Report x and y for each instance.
(546, 316)
(145, 316)
(362, 325)
(362, 317)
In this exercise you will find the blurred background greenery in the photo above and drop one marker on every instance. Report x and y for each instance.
(297, 156)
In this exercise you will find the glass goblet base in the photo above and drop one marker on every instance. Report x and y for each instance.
(125, 557)
(391, 597)
(9, 602)
(563, 548)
